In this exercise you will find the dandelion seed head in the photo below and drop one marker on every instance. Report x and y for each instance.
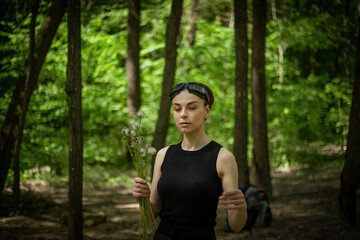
(136, 126)
(138, 140)
(143, 152)
(140, 114)
(126, 132)
(151, 150)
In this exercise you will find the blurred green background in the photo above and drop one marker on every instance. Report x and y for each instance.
(308, 106)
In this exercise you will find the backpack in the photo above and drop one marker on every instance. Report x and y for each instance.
(258, 208)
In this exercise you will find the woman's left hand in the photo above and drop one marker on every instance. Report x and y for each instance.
(233, 200)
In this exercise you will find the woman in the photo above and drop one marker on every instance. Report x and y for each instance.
(191, 177)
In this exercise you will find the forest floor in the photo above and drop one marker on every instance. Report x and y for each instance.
(304, 207)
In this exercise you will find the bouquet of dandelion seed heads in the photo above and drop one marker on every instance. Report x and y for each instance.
(141, 154)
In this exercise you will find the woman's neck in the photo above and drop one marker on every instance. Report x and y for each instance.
(193, 142)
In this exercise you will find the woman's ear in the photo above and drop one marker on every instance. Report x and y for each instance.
(207, 109)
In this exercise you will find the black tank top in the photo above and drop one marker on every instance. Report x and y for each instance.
(189, 186)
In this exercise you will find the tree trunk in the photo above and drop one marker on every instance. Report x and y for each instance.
(273, 9)
(193, 18)
(172, 32)
(19, 134)
(304, 62)
(343, 44)
(190, 39)
(350, 175)
(241, 93)
(42, 44)
(260, 164)
(281, 45)
(73, 91)
(345, 38)
(132, 60)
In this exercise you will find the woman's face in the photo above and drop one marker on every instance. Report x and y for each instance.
(189, 112)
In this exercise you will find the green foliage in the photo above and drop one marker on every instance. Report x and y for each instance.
(13, 51)
(309, 109)
(318, 32)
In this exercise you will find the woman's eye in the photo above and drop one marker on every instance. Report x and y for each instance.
(177, 109)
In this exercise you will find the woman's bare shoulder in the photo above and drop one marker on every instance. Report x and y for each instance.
(160, 156)
(225, 156)
(162, 152)
(225, 162)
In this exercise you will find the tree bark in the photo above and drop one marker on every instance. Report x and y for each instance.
(19, 134)
(350, 175)
(343, 44)
(193, 18)
(241, 92)
(132, 60)
(345, 38)
(11, 122)
(73, 91)
(282, 46)
(260, 164)
(172, 32)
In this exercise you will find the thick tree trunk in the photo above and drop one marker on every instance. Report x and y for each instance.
(172, 32)
(260, 164)
(350, 176)
(73, 91)
(42, 44)
(132, 60)
(241, 93)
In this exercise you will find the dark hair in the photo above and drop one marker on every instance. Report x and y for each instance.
(204, 93)
(210, 96)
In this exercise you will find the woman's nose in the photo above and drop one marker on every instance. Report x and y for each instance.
(183, 113)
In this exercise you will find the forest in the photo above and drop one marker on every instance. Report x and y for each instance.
(286, 79)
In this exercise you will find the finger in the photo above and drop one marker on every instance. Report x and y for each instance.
(141, 185)
(139, 195)
(237, 196)
(140, 180)
(233, 205)
(141, 190)
(236, 201)
(234, 197)
(232, 192)
(229, 201)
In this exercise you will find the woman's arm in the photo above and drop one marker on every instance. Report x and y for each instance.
(232, 198)
(142, 189)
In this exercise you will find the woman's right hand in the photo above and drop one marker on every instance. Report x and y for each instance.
(141, 189)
